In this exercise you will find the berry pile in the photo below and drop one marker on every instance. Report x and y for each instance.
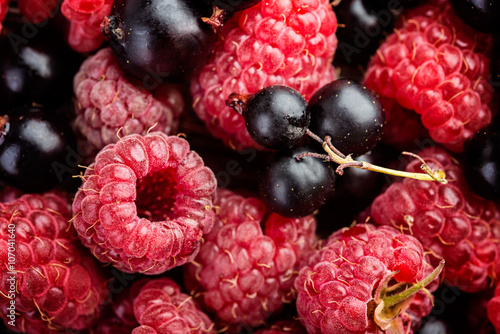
(242, 166)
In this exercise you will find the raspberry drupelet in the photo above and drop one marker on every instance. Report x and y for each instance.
(108, 105)
(57, 285)
(276, 42)
(437, 66)
(161, 307)
(245, 270)
(365, 280)
(85, 17)
(450, 221)
(145, 203)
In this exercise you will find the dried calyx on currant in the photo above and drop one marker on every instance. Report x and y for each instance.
(344, 116)
(223, 9)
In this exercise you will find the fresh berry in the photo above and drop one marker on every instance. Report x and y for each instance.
(34, 148)
(35, 70)
(38, 11)
(85, 17)
(494, 309)
(163, 41)
(294, 187)
(145, 203)
(451, 222)
(348, 286)
(4, 7)
(397, 5)
(349, 113)
(161, 307)
(110, 106)
(482, 163)
(276, 116)
(248, 262)
(222, 9)
(8, 194)
(277, 42)
(284, 327)
(55, 285)
(495, 63)
(431, 64)
(363, 28)
(481, 15)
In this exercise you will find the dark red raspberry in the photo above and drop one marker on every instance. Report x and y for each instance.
(437, 66)
(161, 307)
(85, 17)
(348, 284)
(145, 203)
(284, 327)
(282, 42)
(109, 106)
(247, 263)
(38, 11)
(451, 222)
(4, 7)
(8, 194)
(56, 285)
(494, 309)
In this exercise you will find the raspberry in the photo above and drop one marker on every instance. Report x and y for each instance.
(247, 263)
(57, 286)
(435, 65)
(494, 309)
(108, 104)
(145, 203)
(344, 288)
(275, 42)
(85, 17)
(161, 307)
(4, 7)
(38, 11)
(8, 194)
(450, 221)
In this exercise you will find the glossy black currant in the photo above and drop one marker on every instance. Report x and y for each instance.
(294, 188)
(159, 41)
(33, 144)
(276, 117)
(36, 70)
(481, 15)
(482, 162)
(232, 6)
(395, 5)
(349, 113)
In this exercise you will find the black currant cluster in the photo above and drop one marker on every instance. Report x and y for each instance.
(344, 113)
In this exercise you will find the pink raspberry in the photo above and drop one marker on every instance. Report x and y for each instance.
(85, 17)
(248, 262)
(55, 285)
(145, 203)
(437, 66)
(38, 11)
(283, 42)
(161, 307)
(494, 309)
(348, 284)
(451, 222)
(109, 106)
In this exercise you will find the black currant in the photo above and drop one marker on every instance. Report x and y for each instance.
(33, 144)
(296, 188)
(481, 15)
(276, 116)
(232, 6)
(159, 41)
(36, 70)
(349, 113)
(482, 162)
(495, 64)
(363, 26)
(395, 5)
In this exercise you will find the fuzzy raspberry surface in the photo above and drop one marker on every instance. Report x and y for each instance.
(85, 17)
(450, 221)
(57, 285)
(145, 203)
(247, 263)
(337, 287)
(283, 42)
(109, 106)
(437, 66)
(494, 309)
(161, 307)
